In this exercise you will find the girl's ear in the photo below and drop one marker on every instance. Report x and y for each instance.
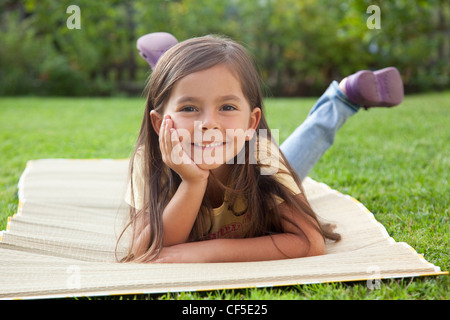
(156, 119)
(255, 117)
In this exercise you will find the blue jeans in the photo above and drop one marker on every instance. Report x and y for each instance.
(308, 143)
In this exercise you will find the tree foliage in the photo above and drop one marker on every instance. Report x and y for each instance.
(298, 45)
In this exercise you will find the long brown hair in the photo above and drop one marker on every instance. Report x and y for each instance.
(246, 180)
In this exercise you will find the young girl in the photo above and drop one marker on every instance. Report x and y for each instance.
(208, 183)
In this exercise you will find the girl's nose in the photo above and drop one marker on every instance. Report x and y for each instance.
(209, 122)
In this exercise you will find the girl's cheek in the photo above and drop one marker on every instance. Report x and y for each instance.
(179, 123)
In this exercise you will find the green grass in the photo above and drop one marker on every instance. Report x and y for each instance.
(395, 161)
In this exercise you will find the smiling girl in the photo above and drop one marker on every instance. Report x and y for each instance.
(208, 181)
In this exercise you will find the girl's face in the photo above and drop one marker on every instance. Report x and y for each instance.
(211, 114)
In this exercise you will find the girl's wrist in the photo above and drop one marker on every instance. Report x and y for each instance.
(180, 214)
(195, 181)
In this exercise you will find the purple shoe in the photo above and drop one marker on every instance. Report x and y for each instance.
(381, 88)
(153, 45)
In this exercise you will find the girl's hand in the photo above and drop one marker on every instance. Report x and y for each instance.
(174, 155)
(191, 252)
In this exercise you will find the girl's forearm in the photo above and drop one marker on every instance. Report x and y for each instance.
(274, 247)
(180, 214)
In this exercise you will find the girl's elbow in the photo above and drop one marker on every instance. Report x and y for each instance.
(317, 248)
(304, 247)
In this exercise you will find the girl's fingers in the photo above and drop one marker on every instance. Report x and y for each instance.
(170, 144)
(165, 141)
(162, 139)
(177, 152)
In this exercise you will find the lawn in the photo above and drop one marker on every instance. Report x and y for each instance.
(394, 161)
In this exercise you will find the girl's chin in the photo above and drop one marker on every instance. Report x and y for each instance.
(209, 166)
(214, 163)
(210, 159)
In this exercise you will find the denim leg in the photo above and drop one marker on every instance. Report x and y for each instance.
(309, 142)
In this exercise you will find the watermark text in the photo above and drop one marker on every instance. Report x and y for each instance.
(374, 21)
(74, 20)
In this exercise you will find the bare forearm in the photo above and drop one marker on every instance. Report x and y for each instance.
(180, 214)
(275, 247)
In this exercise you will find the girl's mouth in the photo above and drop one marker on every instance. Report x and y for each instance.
(208, 145)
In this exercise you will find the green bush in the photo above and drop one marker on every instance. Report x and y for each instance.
(299, 46)
(31, 65)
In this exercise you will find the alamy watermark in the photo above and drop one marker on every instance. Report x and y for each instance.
(73, 281)
(74, 20)
(374, 21)
(374, 280)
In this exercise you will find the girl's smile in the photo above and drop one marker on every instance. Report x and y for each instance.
(209, 145)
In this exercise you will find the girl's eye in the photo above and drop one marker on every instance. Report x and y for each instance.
(228, 107)
(188, 109)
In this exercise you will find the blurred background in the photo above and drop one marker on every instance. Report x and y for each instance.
(299, 46)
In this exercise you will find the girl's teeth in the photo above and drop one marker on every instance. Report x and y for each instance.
(209, 145)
